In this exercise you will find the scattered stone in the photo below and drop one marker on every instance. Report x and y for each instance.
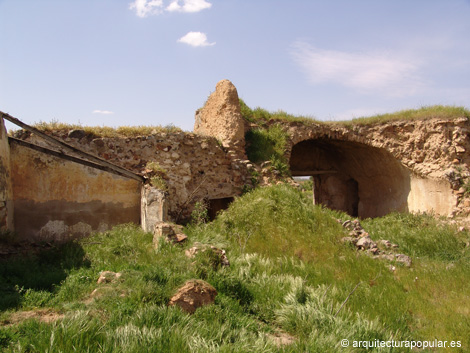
(404, 259)
(192, 295)
(349, 240)
(266, 164)
(76, 134)
(108, 277)
(388, 244)
(365, 243)
(219, 253)
(170, 232)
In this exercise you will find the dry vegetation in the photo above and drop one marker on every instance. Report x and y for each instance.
(105, 131)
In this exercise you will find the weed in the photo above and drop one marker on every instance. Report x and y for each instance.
(155, 168)
(158, 182)
(200, 213)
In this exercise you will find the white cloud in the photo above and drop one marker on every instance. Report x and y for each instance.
(105, 112)
(188, 6)
(143, 8)
(367, 72)
(195, 39)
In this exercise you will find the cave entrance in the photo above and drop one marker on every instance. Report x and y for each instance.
(358, 179)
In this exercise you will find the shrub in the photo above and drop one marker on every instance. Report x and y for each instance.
(268, 144)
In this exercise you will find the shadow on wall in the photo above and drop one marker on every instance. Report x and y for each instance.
(361, 180)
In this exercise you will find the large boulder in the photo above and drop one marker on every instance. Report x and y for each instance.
(193, 294)
(221, 117)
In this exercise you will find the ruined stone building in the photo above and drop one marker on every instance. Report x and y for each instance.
(70, 183)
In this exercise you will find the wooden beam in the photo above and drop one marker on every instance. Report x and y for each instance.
(52, 140)
(64, 156)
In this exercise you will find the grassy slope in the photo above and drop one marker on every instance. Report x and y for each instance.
(288, 272)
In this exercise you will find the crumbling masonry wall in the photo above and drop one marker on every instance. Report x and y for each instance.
(6, 192)
(197, 167)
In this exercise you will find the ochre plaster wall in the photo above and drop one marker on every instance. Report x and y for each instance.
(57, 199)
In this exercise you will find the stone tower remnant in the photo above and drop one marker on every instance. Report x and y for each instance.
(221, 118)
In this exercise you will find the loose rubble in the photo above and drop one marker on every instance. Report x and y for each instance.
(363, 242)
(193, 294)
(170, 232)
(201, 248)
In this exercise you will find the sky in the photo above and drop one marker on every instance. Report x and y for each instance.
(155, 62)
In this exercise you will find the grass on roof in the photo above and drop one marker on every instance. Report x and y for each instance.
(260, 115)
(423, 113)
(106, 131)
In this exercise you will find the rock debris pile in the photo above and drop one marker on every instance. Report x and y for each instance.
(383, 249)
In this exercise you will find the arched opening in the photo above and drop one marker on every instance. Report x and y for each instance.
(361, 180)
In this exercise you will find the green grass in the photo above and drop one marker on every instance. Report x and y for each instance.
(105, 131)
(260, 116)
(288, 272)
(423, 113)
(268, 144)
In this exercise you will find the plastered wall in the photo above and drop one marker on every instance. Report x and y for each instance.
(57, 199)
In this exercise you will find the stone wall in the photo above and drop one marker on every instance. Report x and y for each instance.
(6, 193)
(58, 199)
(197, 167)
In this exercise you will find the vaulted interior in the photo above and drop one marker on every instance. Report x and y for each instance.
(361, 180)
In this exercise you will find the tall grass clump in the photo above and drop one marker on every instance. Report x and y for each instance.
(268, 144)
(419, 235)
(260, 116)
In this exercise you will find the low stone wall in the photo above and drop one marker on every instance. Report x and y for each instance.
(58, 199)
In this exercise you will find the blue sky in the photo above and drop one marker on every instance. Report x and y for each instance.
(154, 62)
